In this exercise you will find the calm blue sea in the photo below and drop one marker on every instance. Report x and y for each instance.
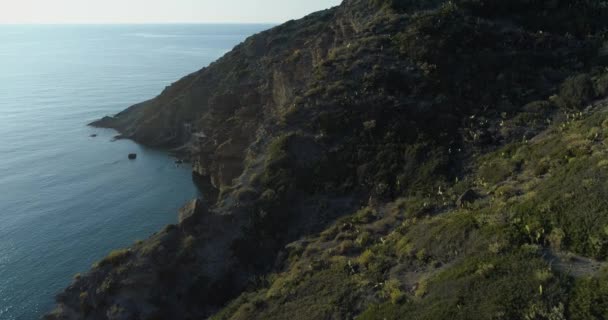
(67, 199)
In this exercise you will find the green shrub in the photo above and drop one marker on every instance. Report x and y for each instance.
(576, 92)
(589, 299)
(346, 247)
(496, 170)
(366, 258)
(506, 191)
(403, 248)
(572, 201)
(364, 216)
(392, 291)
(364, 239)
(115, 258)
(402, 5)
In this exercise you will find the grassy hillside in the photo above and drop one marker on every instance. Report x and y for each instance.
(533, 244)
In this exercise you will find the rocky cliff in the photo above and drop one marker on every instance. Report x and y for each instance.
(384, 159)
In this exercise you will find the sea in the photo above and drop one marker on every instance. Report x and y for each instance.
(67, 199)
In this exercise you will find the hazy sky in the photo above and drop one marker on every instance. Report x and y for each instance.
(164, 11)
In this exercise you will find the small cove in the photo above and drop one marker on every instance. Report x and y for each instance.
(66, 198)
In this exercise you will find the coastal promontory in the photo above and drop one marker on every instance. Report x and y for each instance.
(383, 159)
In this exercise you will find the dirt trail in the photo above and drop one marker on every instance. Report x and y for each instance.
(574, 265)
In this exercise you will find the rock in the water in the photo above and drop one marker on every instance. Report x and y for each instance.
(132, 156)
(94, 135)
(467, 197)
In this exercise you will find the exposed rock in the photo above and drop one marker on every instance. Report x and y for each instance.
(191, 211)
(467, 198)
(102, 123)
(132, 156)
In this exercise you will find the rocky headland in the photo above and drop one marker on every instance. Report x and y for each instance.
(383, 159)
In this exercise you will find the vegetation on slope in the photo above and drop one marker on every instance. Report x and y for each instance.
(385, 159)
(515, 253)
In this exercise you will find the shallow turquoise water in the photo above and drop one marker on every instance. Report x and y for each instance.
(67, 199)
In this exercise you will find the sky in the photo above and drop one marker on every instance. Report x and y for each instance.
(157, 11)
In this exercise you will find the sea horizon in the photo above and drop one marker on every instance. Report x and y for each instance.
(138, 23)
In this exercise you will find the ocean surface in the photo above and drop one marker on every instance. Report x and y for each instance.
(68, 199)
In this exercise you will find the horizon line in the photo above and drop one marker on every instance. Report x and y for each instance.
(133, 23)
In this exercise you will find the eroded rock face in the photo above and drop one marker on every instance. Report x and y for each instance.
(221, 115)
(191, 212)
(233, 98)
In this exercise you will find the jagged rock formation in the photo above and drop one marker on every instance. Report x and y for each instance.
(332, 151)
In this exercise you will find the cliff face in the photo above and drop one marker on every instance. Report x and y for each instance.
(332, 152)
(219, 111)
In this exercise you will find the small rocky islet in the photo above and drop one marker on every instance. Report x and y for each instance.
(383, 159)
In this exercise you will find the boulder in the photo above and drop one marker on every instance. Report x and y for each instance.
(132, 156)
(467, 198)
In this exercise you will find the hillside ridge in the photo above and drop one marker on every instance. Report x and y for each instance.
(382, 159)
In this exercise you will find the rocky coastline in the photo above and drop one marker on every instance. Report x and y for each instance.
(383, 159)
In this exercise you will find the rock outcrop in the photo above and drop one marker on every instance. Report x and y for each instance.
(191, 212)
(467, 198)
